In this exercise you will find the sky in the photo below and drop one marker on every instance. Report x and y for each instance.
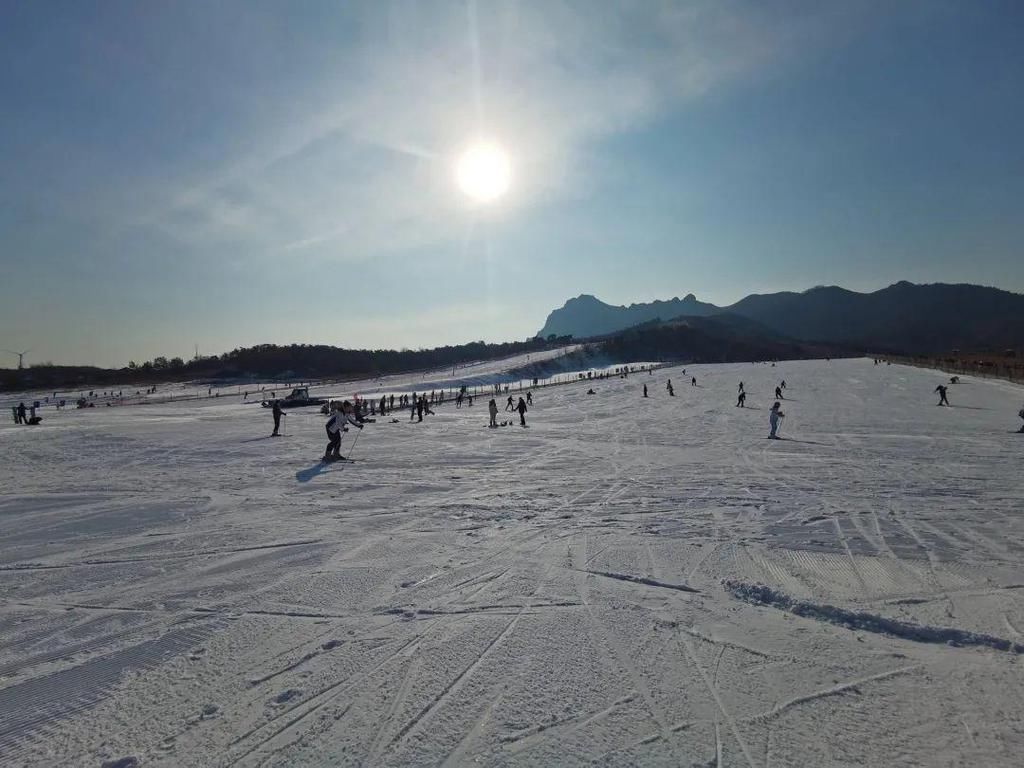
(183, 174)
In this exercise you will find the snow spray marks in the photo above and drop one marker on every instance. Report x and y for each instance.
(759, 594)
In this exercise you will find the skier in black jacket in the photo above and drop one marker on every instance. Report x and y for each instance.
(277, 418)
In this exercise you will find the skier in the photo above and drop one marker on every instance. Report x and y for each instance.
(783, 385)
(391, 403)
(521, 407)
(21, 414)
(277, 418)
(529, 398)
(383, 405)
(778, 393)
(335, 425)
(741, 400)
(741, 387)
(492, 407)
(645, 390)
(668, 386)
(510, 405)
(412, 408)
(942, 395)
(420, 405)
(693, 382)
(773, 419)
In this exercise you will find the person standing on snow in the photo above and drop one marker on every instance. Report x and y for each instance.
(492, 407)
(741, 400)
(942, 395)
(412, 408)
(778, 393)
(510, 405)
(335, 425)
(277, 418)
(529, 398)
(521, 407)
(22, 419)
(645, 390)
(741, 388)
(671, 392)
(773, 419)
(693, 382)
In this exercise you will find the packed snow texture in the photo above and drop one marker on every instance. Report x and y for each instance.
(627, 581)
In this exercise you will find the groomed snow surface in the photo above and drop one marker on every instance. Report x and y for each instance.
(624, 582)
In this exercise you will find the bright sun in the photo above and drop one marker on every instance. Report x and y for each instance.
(483, 172)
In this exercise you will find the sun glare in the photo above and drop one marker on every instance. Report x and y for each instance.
(483, 172)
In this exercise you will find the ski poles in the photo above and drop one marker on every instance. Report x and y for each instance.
(353, 448)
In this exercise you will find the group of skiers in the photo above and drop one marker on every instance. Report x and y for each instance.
(520, 408)
(344, 413)
(340, 415)
(741, 400)
(25, 416)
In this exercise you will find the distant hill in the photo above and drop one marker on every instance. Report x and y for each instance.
(587, 316)
(268, 362)
(724, 338)
(908, 318)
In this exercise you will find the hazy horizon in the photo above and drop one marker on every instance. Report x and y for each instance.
(242, 173)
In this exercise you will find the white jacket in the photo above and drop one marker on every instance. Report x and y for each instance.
(337, 421)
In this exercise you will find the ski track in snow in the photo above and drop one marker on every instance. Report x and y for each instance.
(628, 581)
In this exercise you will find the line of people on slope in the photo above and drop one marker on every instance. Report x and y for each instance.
(344, 413)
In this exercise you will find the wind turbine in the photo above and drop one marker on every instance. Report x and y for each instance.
(21, 357)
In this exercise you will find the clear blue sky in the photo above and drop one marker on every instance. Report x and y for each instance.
(224, 174)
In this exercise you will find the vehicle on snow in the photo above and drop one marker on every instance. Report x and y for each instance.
(299, 398)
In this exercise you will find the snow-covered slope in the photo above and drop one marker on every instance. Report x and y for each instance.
(628, 581)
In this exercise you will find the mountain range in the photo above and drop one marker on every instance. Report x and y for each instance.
(902, 318)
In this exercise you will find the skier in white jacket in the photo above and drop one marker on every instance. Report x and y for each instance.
(335, 426)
